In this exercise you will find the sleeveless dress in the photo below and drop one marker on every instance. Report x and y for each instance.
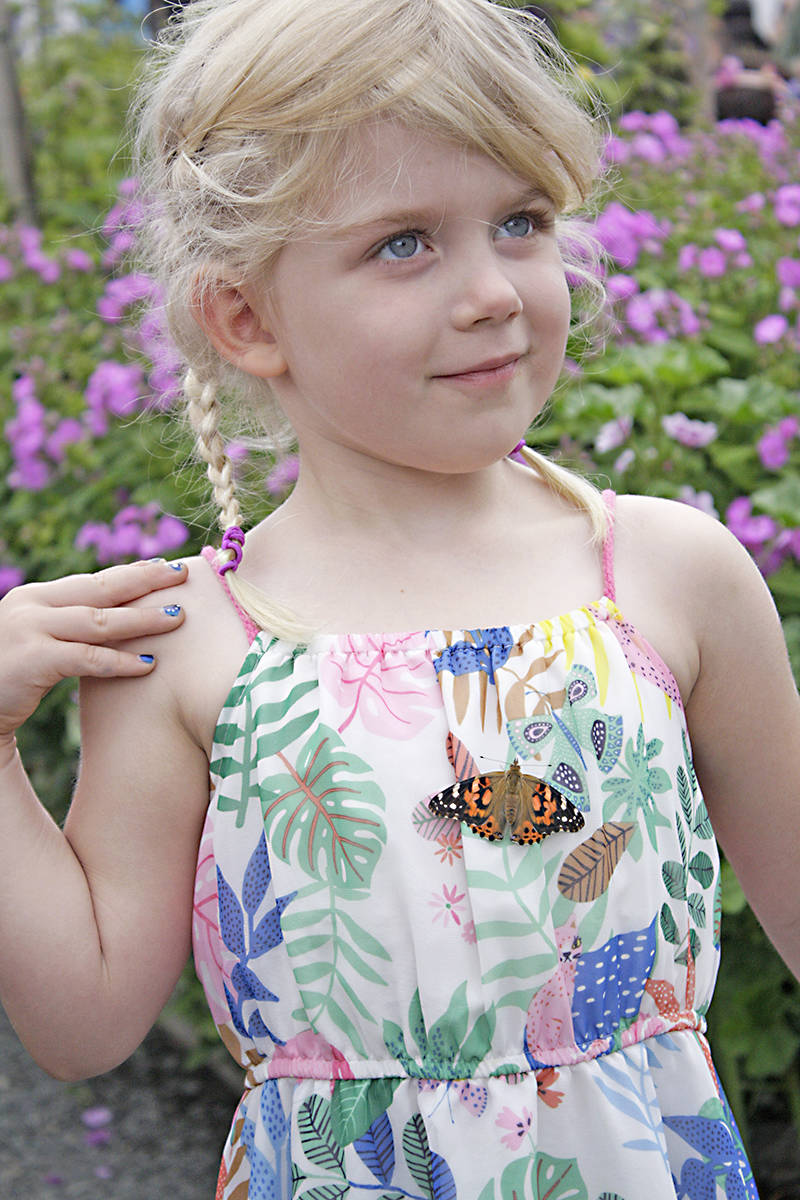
(421, 1012)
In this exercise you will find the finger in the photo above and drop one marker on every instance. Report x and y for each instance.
(99, 626)
(100, 662)
(113, 586)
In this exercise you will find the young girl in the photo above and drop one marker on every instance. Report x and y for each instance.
(456, 890)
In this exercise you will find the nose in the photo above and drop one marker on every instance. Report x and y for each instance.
(485, 294)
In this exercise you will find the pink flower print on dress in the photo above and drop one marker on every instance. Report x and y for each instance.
(544, 1087)
(388, 684)
(449, 845)
(447, 905)
(309, 1056)
(518, 1127)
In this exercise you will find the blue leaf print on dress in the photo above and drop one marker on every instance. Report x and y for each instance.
(488, 650)
(610, 982)
(238, 927)
(721, 1159)
(376, 1149)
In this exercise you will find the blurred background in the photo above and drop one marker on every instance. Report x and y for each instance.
(696, 395)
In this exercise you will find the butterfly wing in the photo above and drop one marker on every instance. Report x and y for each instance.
(542, 810)
(478, 802)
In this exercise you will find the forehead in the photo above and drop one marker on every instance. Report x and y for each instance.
(387, 167)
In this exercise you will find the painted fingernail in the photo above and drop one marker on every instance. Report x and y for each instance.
(156, 560)
(176, 566)
(171, 610)
(146, 658)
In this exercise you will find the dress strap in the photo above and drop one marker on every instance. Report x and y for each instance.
(251, 629)
(609, 586)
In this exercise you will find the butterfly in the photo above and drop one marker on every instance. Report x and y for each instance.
(489, 803)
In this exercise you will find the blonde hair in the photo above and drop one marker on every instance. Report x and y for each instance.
(245, 125)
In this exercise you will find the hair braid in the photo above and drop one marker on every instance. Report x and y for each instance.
(203, 409)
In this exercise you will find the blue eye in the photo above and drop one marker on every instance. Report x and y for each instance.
(405, 245)
(518, 226)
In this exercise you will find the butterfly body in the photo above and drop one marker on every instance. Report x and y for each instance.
(490, 804)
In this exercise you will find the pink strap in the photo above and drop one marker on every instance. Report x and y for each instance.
(609, 586)
(251, 629)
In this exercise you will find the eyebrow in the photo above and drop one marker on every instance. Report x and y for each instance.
(407, 218)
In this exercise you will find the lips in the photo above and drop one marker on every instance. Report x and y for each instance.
(488, 367)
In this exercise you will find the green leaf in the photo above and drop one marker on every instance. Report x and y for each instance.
(701, 869)
(674, 879)
(780, 500)
(365, 941)
(557, 1179)
(668, 925)
(358, 964)
(322, 817)
(697, 907)
(518, 968)
(418, 1154)
(356, 1103)
(316, 1135)
(684, 794)
(311, 972)
(702, 821)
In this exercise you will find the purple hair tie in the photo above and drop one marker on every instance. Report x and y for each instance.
(516, 455)
(233, 540)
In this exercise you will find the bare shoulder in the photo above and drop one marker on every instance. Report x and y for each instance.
(197, 663)
(687, 583)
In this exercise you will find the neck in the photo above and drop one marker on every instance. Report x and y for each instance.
(365, 499)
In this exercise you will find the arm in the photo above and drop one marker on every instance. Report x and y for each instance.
(94, 920)
(744, 720)
(696, 594)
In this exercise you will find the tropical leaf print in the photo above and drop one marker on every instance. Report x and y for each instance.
(429, 1170)
(380, 685)
(633, 790)
(358, 1110)
(316, 1135)
(329, 950)
(319, 816)
(541, 1177)
(248, 938)
(587, 870)
(447, 1050)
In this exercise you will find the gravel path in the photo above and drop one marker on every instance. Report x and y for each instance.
(149, 1129)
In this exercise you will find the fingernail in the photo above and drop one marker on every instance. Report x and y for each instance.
(155, 560)
(176, 566)
(171, 610)
(146, 658)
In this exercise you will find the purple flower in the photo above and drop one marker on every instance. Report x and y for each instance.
(134, 533)
(752, 532)
(789, 427)
(773, 450)
(613, 434)
(96, 1118)
(283, 475)
(687, 257)
(787, 205)
(788, 272)
(712, 263)
(704, 501)
(731, 240)
(753, 203)
(690, 433)
(6, 269)
(625, 460)
(10, 577)
(78, 260)
(770, 329)
(621, 287)
(65, 433)
(113, 387)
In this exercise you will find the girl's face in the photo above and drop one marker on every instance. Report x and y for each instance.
(426, 326)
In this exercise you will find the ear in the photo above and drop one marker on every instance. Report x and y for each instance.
(235, 329)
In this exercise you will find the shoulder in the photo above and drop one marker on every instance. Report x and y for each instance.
(196, 664)
(683, 546)
(689, 585)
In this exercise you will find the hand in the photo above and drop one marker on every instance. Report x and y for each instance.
(51, 631)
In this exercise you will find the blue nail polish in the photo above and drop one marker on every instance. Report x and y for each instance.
(146, 658)
(171, 610)
(176, 566)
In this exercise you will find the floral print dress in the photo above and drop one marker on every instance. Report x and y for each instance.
(421, 1012)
